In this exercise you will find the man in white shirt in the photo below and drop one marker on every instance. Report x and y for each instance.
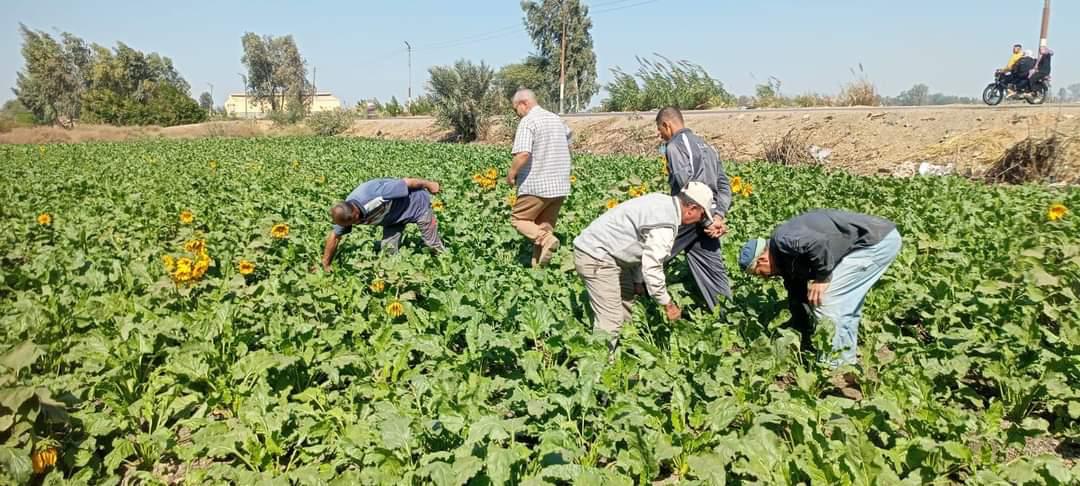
(541, 172)
(627, 246)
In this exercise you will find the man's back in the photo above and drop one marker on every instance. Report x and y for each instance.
(546, 137)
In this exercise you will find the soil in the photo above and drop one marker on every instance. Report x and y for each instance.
(869, 141)
(889, 141)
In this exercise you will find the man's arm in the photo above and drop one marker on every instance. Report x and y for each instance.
(657, 247)
(417, 184)
(332, 240)
(722, 197)
(522, 150)
(681, 159)
(519, 161)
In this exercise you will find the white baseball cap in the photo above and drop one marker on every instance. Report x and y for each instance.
(701, 195)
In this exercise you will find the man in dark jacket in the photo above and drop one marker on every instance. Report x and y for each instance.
(829, 260)
(690, 159)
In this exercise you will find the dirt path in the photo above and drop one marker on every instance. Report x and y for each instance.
(890, 141)
(863, 140)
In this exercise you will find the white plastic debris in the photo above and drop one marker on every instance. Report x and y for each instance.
(820, 154)
(928, 169)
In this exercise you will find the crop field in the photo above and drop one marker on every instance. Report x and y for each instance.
(160, 322)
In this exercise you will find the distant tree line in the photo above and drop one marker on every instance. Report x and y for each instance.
(66, 79)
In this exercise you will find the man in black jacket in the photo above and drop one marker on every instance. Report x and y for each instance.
(829, 260)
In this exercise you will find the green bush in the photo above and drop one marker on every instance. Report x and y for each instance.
(664, 82)
(165, 106)
(330, 123)
(421, 106)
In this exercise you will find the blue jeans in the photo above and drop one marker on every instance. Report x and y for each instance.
(843, 300)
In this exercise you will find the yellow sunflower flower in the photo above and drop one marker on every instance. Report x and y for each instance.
(395, 309)
(44, 219)
(186, 217)
(246, 267)
(43, 459)
(378, 285)
(201, 267)
(573, 179)
(195, 247)
(184, 264)
(736, 185)
(491, 173)
(169, 262)
(280, 231)
(747, 189)
(611, 203)
(1056, 211)
(437, 206)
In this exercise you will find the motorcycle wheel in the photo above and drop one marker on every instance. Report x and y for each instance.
(993, 94)
(1038, 96)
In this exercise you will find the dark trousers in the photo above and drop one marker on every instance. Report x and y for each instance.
(706, 262)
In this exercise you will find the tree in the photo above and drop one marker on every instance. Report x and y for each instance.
(128, 87)
(1074, 91)
(526, 74)
(206, 101)
(560, 31)
(918, 95)
(54, 75)
(464, 97)
(277, 74)
(1063, 95)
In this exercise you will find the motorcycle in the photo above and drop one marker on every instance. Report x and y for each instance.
(994, 93)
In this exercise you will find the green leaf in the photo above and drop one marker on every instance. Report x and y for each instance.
(17, 463)
(395, 431)
(499, 463)
(22, 355)
(710, 467)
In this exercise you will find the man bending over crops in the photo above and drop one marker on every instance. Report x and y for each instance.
(390, 203)
(622, 252)
(691, 159)
(829, 260)
(541, 172)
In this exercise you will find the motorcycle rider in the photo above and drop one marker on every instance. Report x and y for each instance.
(1017, 53)
(1041, 71)
(1015, 78)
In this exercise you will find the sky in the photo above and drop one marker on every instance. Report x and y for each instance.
(356, 48)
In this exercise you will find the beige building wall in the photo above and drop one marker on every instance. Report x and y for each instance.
(242, 105)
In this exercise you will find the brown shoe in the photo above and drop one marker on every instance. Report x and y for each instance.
(547, 249)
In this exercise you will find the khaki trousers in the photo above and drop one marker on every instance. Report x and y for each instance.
(611, 291)
(534, 217)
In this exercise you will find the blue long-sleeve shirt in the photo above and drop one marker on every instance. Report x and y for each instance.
(691, 159)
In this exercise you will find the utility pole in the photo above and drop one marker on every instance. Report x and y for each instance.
(210, 110)
(408, 98)
(562, 57)
(314, 89)
(1045, 34)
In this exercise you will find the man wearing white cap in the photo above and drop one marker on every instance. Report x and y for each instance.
(627, 246)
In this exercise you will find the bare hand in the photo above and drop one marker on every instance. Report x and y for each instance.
(511, 178)
(433, 187)
(673, 311)
(816, 293)
(718, 227)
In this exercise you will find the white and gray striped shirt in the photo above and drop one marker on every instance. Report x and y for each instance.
(546, 138)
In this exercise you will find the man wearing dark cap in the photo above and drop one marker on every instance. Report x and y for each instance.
(390, 203)
(829, 260)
